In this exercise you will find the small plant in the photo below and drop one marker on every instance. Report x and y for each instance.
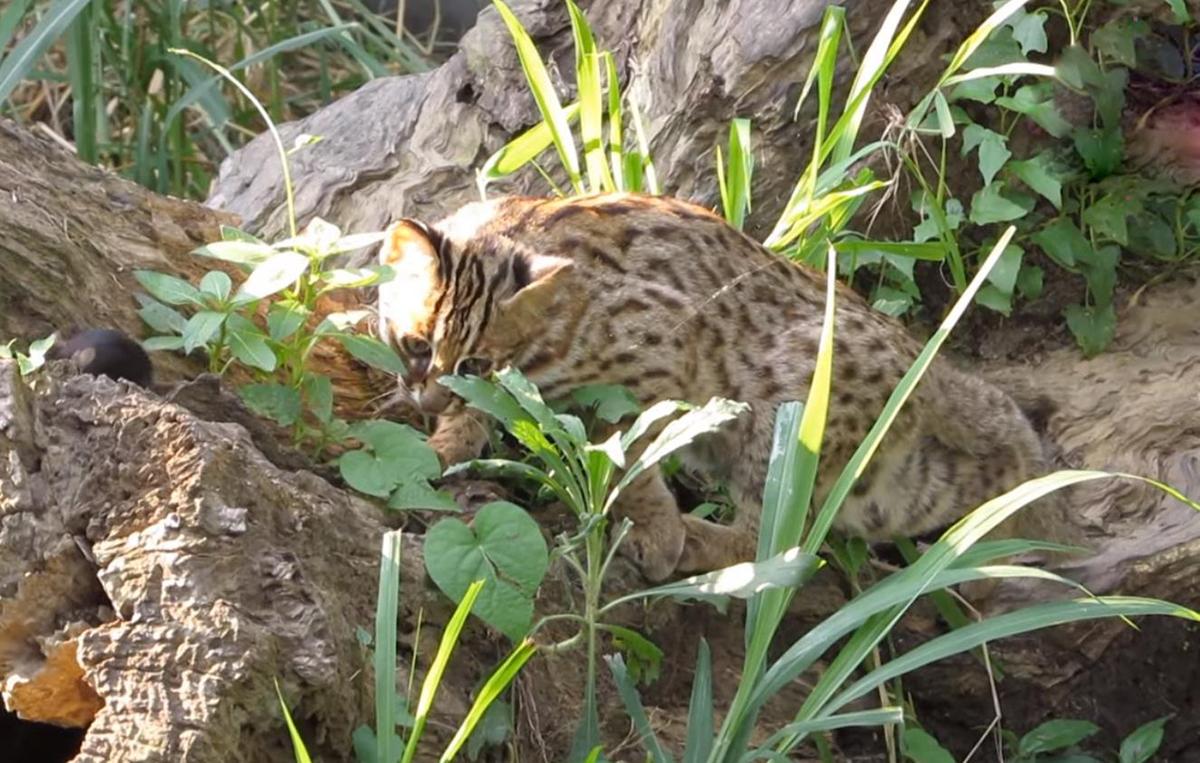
(31, 361)
(1056, 741)
(383, 744)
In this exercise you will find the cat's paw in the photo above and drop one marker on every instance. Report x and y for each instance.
(655, 548)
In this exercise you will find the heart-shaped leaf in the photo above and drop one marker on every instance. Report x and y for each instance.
(502, 546)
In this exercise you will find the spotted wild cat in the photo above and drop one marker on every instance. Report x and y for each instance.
(665, 298)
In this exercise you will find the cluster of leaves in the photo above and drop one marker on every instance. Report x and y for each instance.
(1056, 741)
(28, 362)
(129, 99)
(283, 279)
(1070, 199)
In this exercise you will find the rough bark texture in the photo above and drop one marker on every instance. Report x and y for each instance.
(162, 558)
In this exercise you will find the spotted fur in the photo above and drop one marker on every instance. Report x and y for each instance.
(665, 298)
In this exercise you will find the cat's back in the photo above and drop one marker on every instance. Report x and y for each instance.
(660, 243)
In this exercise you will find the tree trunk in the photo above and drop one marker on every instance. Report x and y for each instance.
(163, 560)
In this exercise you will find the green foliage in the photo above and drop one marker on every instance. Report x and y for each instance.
(1055, 741)
(161, 120)
(28, 362)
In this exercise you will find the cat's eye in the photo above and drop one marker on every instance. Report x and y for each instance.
(473, 367)
(414, 346)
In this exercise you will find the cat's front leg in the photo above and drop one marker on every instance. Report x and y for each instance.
(459, 436)
(655, 542)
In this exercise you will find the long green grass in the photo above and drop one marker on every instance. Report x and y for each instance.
(99, 73)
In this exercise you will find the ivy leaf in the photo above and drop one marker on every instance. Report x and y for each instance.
(504, 547)
(993, 151)
(981, 90)
(1037, 103)
(1042, 174)
(277, 402)
(1076, 68)
(1100, 270)
(1093, 327)
(991, 205)
(1029, 30)
(1063, 242)
(1100, 149)
(1030, 281)
(994, 299)
(1108, 216)
(169, 289)
(1004, 273)
(1117, 39)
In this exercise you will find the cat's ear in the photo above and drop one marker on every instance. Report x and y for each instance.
(410, 249)
(536, 278)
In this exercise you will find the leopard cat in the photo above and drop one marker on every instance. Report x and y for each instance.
(664, 297)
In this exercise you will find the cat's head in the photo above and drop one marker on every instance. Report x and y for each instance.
(460, 303)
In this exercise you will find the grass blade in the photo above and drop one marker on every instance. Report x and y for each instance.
(735, 189)
(9, 20)
(82, 71)
(591, 99)
(17, 65)
(433, 679)
(544, 94)
(616, 146)
(644, 160)
(635, 710)
(491, 689)
(1010, 624)
(700, 709)
(299, 750)
(521, 150)
(385, 645)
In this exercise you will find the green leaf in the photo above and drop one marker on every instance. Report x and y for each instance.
(645, 658)
(354, 241)
(1063, 242)
(503, 547)
(169, 289)
(1037, 103)
(392, 454)
(1100, 270)
(159, 317)
(486, 700)
(991, 205)
(217, 285)
(993, 151)
(277, 402)
(248, 344)
(522, 149)
(612, 402)
(1030, 281)
(353, 278)
(418, 494)
(493, 728)
(635, 710)
(980, 89)
(201, 328)
(274, 274)
(237, 251)
(373, 352)
(1180, 11)
(1141, 745)
(298, 749)
(318, 393)
(1108, 217)
(19, 62)
(922, 747)
(700, 708)
(1093, 327)
(1029, 30)
(1076, 68)
(1117, 40)
(995, 299)
(543, 94)
(285, 319)
(1055, 735)
(156, 343)
(1042, 174)
(1004, 274)
(945, 122)
(1101, 150)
